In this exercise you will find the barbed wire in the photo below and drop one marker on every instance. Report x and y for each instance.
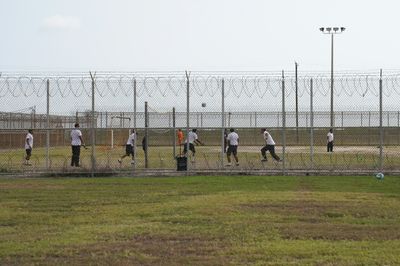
(238, 86)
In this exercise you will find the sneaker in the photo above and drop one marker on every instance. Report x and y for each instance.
(119, 160)
(237, 164)
(264, 160)
(132, 162)
(28, 163)
(228, 164)
(280, 160)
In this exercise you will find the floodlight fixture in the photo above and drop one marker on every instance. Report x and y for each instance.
(332, 31)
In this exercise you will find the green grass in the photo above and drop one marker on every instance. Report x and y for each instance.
(213, 220)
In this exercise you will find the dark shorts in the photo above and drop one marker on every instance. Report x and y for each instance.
(28, 152)
(232, 149)
(129, 150)
(270, 148)
(191, 147)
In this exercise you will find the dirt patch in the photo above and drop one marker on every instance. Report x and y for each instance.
(327, 220)
(145, 250)
(331, 231)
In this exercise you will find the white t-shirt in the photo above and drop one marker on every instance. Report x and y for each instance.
(233, 138)
(29, 137)
(131, 139)
(75, 140)
(330, 136)
(192, 137)
(268, 139)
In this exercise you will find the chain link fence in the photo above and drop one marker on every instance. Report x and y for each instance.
(295, 109)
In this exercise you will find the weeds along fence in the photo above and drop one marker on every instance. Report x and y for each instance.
(296, 109)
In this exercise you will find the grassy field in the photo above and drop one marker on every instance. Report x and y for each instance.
(213, 220)
(208, 157)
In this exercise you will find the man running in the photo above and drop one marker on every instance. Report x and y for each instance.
(269, 146)
(193, 139)
(129, 147)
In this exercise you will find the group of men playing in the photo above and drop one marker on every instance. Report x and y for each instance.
(231, 144)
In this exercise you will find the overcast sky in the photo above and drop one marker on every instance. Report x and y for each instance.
(204, 35)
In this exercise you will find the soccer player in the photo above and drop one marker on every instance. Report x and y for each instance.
(269, 146)
(329, 140)
(193, 139)
(129, 147)
(28, 146)
(76, 143)
(233, 142)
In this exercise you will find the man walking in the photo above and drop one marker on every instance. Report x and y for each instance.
(269, 146)
(76, 143)
(28, 146)
(329, 140)
(233, 143)
(129, 147)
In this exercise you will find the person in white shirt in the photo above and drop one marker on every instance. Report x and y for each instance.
(130, 147)
(193, 139)
(233, 143)
(76, 143)
(329, 140)
(28, 146)
(269, 146)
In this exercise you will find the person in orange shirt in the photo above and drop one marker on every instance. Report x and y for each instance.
(180, 140)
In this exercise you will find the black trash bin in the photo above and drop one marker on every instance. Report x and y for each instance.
(181, 163)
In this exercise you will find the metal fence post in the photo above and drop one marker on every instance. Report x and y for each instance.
(134, 123)
(380, 123)
(297, 103)
(222, 122)
(311, 124)
(187, 120)
(47, 124)
(342, 119)
(93, 130)
(146, 135)
(174, 132)
(283, 125)
(361, 119)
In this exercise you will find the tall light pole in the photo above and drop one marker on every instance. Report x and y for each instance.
(332, 31)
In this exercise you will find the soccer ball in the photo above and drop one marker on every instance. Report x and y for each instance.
(379, 176)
